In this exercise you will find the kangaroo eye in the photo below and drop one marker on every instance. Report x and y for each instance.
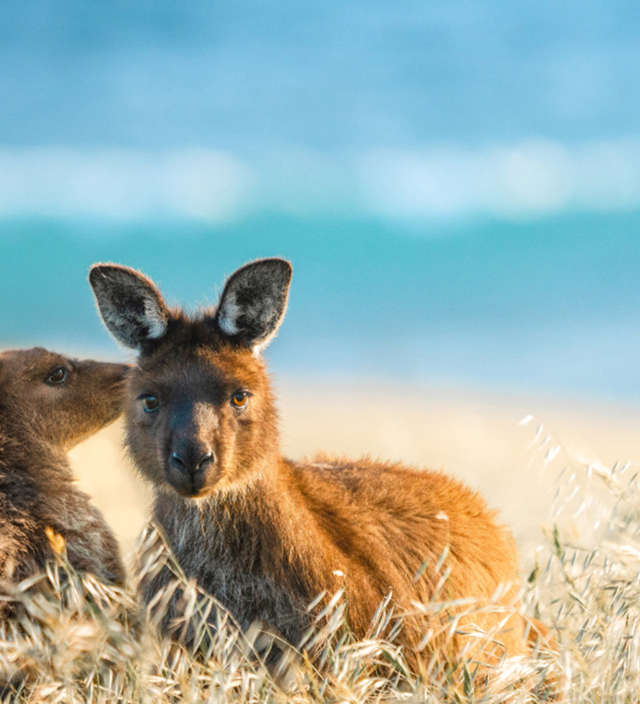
(239, 399)
(150, 403)
(57, 376)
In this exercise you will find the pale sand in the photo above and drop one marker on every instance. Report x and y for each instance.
(474, 437)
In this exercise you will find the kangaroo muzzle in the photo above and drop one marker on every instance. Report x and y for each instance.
(191, 458)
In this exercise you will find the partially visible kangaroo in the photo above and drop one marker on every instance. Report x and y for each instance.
(264, 534)
(48, 404)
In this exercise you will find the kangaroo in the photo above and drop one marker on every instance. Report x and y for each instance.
(264, 534)
(48, 404)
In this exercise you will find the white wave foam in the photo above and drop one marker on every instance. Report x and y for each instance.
(121, 184)
(530, 178)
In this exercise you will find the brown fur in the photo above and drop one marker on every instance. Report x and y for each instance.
(265, 534)
(39, 422)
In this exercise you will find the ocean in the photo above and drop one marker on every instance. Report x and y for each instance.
(550, 305)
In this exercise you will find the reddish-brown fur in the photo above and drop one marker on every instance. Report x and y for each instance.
(40, 420)
(265, 534)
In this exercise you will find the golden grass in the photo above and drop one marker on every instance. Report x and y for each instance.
(76, 640)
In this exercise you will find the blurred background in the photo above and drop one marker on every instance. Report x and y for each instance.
(457, 185)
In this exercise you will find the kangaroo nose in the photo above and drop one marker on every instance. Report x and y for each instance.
(205, 460)
(189, 459)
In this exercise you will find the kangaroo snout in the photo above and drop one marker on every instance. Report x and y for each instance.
(117, 375)
(107, 373)
(189, 467)
(190, 457)
(122, 370)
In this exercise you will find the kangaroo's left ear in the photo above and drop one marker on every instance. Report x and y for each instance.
(131, 306)
(254, 302)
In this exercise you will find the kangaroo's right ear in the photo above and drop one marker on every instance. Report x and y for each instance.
(131, 306)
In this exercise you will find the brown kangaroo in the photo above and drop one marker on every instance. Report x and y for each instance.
(265, 534)
(49, 403)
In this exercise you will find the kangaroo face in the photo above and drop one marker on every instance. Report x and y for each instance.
(65, 399)
(200, 416)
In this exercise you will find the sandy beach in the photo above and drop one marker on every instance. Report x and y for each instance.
(475, 437)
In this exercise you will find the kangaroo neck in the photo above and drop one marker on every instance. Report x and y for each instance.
(259, 524)
(26, 455)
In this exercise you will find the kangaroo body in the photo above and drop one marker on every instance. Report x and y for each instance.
(362, 526)
(48, 404)
(266, 535)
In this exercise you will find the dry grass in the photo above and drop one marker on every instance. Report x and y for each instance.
(76, 640)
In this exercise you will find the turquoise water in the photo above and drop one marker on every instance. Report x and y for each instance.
(548, 306)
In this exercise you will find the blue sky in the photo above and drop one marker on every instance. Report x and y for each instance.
(328, 76)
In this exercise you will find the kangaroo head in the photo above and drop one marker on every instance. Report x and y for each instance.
(200, 415)
(64, 400)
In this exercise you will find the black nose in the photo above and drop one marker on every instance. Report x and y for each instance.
(190, 459)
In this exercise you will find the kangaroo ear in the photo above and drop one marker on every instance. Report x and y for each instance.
(254, 302)
(131, 306)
